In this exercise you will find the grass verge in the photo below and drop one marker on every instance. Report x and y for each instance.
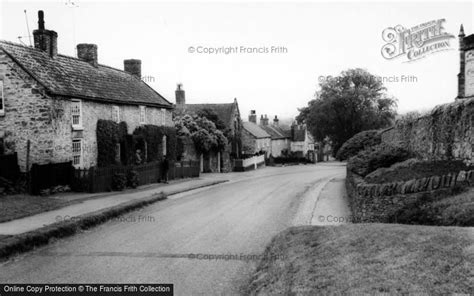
(15, 244)
(359, 259)
(21, 205)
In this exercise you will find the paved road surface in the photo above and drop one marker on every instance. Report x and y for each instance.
(152, 245)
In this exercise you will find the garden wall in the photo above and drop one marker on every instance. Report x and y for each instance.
(377, 202)
(446, 133)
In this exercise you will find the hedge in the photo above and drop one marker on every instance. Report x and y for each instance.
(375, 157)
(153, 136)
(109, 134)
(358, 143)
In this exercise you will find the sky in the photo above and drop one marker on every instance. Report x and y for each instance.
(270, 56)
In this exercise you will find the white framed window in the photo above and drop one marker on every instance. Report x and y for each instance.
(116, 114)
(77, 153)
(76, 113)
(2, 99)
(142, 114)
(163, 116)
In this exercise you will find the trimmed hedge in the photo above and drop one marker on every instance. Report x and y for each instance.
(451, 208)
(109, 134)
(358, 143)
(153, 136)
(375, 157)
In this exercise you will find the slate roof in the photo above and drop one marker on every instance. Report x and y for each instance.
(255, 130)
(277, 132)
(72, 77)
(225, 111)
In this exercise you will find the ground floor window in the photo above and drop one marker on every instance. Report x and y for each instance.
(77, 152)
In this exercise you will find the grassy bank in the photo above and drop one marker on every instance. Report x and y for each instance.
(22, 205)
(367, 258)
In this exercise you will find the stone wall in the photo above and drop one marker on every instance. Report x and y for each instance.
(446, 133)
(46, 121)
(377, 202)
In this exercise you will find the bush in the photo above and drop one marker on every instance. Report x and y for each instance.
(375, 157)
(455, 208)
(119, 182)
(358, 143)
(153, 136)
(80, 184)
(132, 179)
(416, 169)
(109, 134)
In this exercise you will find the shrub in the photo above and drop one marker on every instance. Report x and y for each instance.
(416, 169)
(455, 208)
(153, 136)
(80, 184)
(132, 179)
(375, 157)
(109, 134)
(358, 143)
(119, 182)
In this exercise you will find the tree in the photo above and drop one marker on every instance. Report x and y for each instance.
(206, 137)
(212, 116)
(347, 104)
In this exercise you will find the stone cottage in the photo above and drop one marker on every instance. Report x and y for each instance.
(50, 103)
(254, 138)
(302, 143)
(281, 138)
(229, 115)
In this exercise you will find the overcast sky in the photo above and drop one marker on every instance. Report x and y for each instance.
(315, 39)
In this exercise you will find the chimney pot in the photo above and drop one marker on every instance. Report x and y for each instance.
(40, 20)
(45, 40)
(88, 53)
(134, 67)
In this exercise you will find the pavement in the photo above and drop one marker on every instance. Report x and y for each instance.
(88, 203)
(206, 241)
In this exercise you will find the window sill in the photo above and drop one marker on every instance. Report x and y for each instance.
(77, 128)
(2, 113)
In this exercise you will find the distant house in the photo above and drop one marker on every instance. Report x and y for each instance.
(51, 103)
(302, 143)
(280, 138)
(255, 139)
(229, 115)
(295, 141)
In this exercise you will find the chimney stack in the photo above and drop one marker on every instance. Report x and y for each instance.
(276, 121)
(180, 96)
(253, 116)
(46, 40)
(133, 67)
(88, 53)
(262, 120)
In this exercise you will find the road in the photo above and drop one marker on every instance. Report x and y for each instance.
(153, 245)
